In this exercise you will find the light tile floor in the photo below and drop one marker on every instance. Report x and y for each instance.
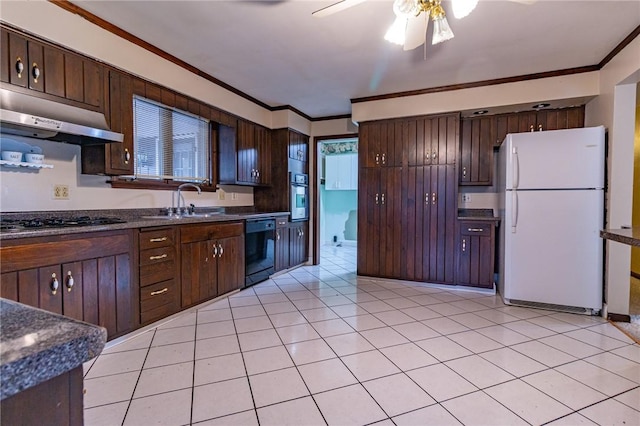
(320, 346)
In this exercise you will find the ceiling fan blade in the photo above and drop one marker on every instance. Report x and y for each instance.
(336, 7)
(416, 31)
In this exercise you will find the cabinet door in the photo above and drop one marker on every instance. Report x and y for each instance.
(55, 66)
(416, 217)
(5, 62)
(332, 172)
(505, 124)
(475, 254)
(19, 65)
(71, 287)
(476, 151)
(390, 235)
(444, 139)
(298, 146)
(527, 121)
(230, 264)
(368, 222)
(247, 153)
(198, 271)
(264, 155)
(37, 71)
(282, 249)
(49, 277)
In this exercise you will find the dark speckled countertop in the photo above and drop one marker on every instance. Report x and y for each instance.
(135, 218)
(36, 346)
(625, 236)
(477, 214)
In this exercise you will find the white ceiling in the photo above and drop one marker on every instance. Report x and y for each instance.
(276, 52)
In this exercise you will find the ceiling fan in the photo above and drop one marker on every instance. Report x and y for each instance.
(412, 18)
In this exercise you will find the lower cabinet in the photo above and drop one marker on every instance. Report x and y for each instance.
(298, 242)
(476, 253)
(212, 261)
(282, 244)
(83, 276)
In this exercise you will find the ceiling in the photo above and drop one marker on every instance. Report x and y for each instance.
(276, 52)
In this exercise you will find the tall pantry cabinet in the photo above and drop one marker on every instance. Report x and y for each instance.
(407, 197)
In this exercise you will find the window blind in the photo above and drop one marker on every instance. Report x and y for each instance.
(169, 144)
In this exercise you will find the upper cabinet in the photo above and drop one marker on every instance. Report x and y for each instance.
(50, 72)
(341, 172)
(298, 146)
(244, 154)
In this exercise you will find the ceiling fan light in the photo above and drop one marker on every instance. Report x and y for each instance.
(441, 30)
(462, 8)
(395, 33)
(405, 8)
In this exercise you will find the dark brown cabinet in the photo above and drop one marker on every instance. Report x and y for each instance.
(244, 154)
(282, 244)
(407, 213)
(298, 146)
(212, 261)
(476, 151)
(86, 277)
(114, 158)
(476, 253)
(159, 278)
(298, 243)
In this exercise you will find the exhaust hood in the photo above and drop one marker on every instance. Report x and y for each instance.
(26, 115)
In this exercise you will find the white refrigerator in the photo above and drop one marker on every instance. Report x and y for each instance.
(551, 187)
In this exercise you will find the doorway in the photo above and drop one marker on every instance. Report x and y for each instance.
(634, 288)
(337, 199)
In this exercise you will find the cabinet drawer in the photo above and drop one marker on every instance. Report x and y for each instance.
(159, 300)
(156, 272)
(156, 255)
(157, 238)
(475, 228)
(193, 233)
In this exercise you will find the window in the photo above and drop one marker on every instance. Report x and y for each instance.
(169, 144)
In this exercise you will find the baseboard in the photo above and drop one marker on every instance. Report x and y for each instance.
(619, 317)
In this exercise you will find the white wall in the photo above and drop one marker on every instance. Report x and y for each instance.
(614, 108)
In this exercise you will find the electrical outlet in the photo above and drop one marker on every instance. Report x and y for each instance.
(466, 198)
(60, 192)
(221, 194)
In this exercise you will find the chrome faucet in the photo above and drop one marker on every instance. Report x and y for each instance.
(178, 192)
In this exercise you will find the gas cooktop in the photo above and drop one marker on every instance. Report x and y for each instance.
(19, 225)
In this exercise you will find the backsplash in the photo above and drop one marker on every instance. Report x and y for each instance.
(32, 190)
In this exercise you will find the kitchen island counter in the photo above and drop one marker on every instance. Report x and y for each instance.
(630, 236)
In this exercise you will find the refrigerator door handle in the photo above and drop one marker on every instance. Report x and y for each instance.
(515, 169)
(514, 211)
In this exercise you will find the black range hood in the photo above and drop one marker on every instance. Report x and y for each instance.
(26, 115)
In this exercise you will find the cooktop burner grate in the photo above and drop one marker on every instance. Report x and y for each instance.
(17, 225)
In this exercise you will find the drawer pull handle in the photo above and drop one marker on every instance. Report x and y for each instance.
(475, 229)
(127, 156)
(464, 245)
(55, 284)
(35, 72)
(162, 256)
(164, 290)
(277, 236)
(220, 250)
(19, 66)
(158, 240)
(70, 281)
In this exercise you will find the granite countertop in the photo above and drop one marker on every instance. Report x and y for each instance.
(630, 236)
(139, 218)
(477, 214)
(36, 346)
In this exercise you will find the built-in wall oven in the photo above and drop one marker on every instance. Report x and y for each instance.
(259, 250)
(299, 193)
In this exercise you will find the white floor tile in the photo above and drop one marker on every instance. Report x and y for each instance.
(475, 341)
(269, 359)
(503, 335)
(277, 386)
(364, 322)
(415, 330)
(309, 303)
(383, 337)
(232, 396)
(421, 313)
(570, 392)
(611, 331)
(245, 418)
(469, 305)
(618, 365)
(513, 362)
(554, 324)
(243, 299)
(214, 329)
(393, 317)
(528, 402)
(171, 408)
(287, 318)
(479, 409)
(406, 395)
(472, 321)
(596, 339)
(571, 346)
(348, 344)
(245, 325)
(259, 340)
(247, 311)
(443, 348)
(369, 365)
(631, 352)
(542, 353)
(440, 382)
(408, 356)
(297, 333)
(401, 303)
(611, 412)
(309, 351)
(445, 325)
(529, 329)
(350, 310)
(375, 307)
(116, 363)
(164, 379)
(170, 336)
(217, 369)
(319, 314)
(574, 419)
(579, 320)
(217, 346)
(326, 375)
(109, 389)
(434, 415)
(332, 327)
(276, 297)
(298, 412)
(591, 375)
(479, 371)
(496, 316)
(351, 405)
(106, 415)
(142, 341)
(214, 315)
(630, 399)
(180, 321)
(523, 313)
(279, 307)
(447, 309)
(169, 354)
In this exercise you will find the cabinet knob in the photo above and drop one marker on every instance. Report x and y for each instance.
(384, 158)
(539, 127)
(382, 199)
(434, 155)
(434, 198)
(220, 251)
(127, 156)
(426, 198)
(464, 172)
(464, 244)
(19, 66)
(377, 158)
(277, 236)
(35, 72)
(55, 284)
(377, 198)
(531, 128)
(70, 281)
(215, 250)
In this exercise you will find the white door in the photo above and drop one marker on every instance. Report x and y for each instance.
(567, 159)
(553, 250)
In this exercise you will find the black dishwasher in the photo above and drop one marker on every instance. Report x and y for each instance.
(259, 250)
